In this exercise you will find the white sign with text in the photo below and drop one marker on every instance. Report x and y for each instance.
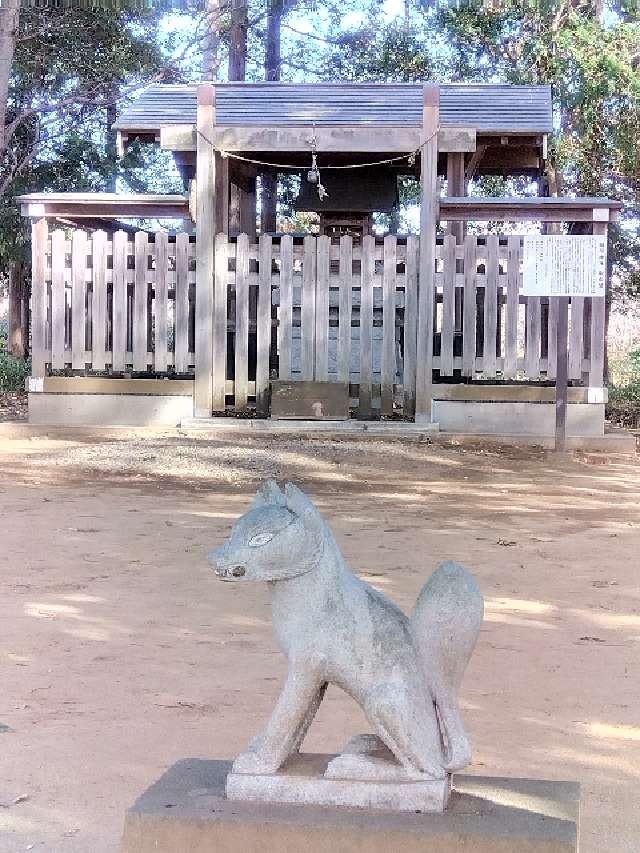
(559, 265)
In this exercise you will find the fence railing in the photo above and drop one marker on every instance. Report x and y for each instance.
(302, 308)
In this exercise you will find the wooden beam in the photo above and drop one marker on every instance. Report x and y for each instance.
(481, 392)
(205, 237)
(182, 137)
(110, 385)
(428, 221)
(91, 205)
(545, 209)
(178, 137)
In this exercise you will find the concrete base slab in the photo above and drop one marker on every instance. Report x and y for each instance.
(583, 419)
(537, 419)
(215, 426)
(186, 810)
(109, 409)
(303, 780)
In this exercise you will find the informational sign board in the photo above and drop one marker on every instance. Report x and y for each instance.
(559, 265)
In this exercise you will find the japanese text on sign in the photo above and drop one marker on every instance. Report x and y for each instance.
(558, 265)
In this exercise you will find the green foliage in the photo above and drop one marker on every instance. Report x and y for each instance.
(13, 371)
(588, 53)
(70, 68)
(624, 391)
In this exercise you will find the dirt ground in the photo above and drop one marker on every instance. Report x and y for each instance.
(121, 653)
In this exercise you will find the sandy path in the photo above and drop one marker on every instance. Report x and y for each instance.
(120, 652)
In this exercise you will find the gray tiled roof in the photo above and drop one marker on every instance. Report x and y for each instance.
(487, 107)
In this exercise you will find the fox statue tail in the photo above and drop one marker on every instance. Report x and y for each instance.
(445, 624)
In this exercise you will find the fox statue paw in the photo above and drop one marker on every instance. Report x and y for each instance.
(256, 762)
(458, 757)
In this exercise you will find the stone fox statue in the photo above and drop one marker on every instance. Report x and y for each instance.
(404, 672)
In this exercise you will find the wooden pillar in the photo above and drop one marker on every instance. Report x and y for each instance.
(39, 299)
(457, 186)
(17, 310)
(428, 222)
(222, 194)
(248, 209)
(600, 307)
(205, 251)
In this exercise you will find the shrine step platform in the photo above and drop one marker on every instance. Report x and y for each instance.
(186, 810)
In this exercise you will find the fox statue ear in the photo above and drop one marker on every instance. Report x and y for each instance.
(301, 505)
(269, 494)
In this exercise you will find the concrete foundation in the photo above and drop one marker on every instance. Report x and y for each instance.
(186, 810)
(153, 410)
(535, 419)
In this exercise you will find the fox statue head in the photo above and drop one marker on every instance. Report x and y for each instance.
(282, 536)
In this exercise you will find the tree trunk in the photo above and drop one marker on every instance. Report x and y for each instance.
(211, 52)
(17, 309)
(272, 71)
(238, 40)
(9, 17)
(273, 54)
(112, 148)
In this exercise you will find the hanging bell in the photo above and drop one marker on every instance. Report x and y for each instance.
(313, 175)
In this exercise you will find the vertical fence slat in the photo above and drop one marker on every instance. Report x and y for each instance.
(388, 365)
(220, 322)
(366, 324)
(469, 316)
(490, 307)
(39, 241)
(119, 336)
(532, 350)
(448, 306)
(141, 249)
(596, 363)
(263, 325)
(241, 387)
(513, 301)
(57, 299)
(181, 337)
(285, 317)
(322, 309)
(307, 331)
(99, 301)
(410, 328)
(344, 308)
(78, 286)
(161, 300)
(576, 339)
(552, 339)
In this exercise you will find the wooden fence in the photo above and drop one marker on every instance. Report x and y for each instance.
(298, 308)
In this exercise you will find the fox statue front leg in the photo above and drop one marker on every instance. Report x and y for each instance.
(289, 721)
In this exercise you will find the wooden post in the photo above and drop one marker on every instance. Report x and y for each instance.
(39, 298)
(457, 186)
(428, 221)
(562, 373)
(222, 194)
(205, 238)
(598, 319)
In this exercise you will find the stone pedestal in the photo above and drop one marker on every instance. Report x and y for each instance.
(302, 780)
(186, 810)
